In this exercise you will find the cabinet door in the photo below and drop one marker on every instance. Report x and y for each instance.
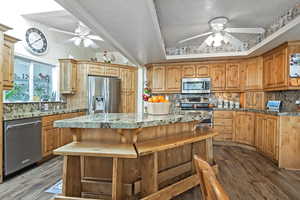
(173, 78)
(8, 67)
(112, 71)
(50, 140)
(68, 76)
(123, 104)
(260, 132)
(271, 137)
(202, 70)
(217, 73)
(268, 73)
(232, 77)
(123, 77)
(188, 71)
(97, 70)
(131, 80)
(158, 79)
(66, 133)
(279, 68)
(254, 74)
(131, 102)
(244, 131)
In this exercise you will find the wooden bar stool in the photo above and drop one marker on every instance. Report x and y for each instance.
(211, 188)
(72, 165)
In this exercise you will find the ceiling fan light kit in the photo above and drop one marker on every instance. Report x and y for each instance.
(81, 36)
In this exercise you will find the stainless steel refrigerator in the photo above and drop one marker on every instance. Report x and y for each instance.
(104, 94)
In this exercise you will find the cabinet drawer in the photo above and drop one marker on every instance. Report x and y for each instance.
(112, 71)
(69, 115)
(223, 114)
(48, 121)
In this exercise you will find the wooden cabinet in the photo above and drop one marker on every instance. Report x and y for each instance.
(254, 74)
(223, 124)
(217, 74)
(113, 71)
(276, 70)
(255, 100)
(232, 77)
(50, 135)
(68, 76)
(244, 128)
(96, 69)
(158, 79)
(266, 135)
(202, 70)
(128, 102)
(188, 71)
(173, 79)
(8, 62)
(128, 90)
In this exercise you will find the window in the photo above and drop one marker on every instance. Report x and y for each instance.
(33, 81)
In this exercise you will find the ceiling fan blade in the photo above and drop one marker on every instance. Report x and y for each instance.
(63, 31)
(195, 37)
(245, 30)
(89, 43)
(82, 29)
(94, 37)
(233, 40)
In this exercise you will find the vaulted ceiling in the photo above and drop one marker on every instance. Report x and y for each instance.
(142, 29)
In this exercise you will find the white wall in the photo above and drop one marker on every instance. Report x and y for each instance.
(10, 15)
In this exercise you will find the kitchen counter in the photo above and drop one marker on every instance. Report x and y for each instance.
(126, 120)
(25, 115)
(260, 111)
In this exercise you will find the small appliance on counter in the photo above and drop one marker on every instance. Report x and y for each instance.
(274, 106)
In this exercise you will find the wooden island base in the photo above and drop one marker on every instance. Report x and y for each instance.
(146, 163)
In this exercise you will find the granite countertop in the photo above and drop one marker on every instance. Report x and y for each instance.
(25, 115)
(125, 120)
(296, 113)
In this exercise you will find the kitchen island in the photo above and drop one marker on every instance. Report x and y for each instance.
(127, 156)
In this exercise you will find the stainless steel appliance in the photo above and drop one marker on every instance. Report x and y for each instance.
(22, 144)
(104, 94)
(195, 85)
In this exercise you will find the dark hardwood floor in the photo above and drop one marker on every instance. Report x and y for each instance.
(245, 175)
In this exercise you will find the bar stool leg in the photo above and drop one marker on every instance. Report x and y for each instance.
(117, 184)
(72, 176)
(149, 173)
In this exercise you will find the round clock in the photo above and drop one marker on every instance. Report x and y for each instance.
(36, 41)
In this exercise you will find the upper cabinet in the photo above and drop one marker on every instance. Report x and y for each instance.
(158, 78)
(233, 77)
(202, 70)
(68, 76)
(276, 66)
(8, 62)
(173, 78)
(254, 74)
(188, 71)
(217, 74)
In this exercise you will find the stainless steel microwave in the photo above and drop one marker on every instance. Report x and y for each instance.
(195, 85)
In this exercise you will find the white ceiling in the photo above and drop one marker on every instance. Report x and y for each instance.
(180, 19)
(140, 29)
(62, 19)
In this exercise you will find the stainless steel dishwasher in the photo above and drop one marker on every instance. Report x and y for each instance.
(22, 144)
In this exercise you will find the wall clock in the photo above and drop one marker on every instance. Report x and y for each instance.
(36, 41)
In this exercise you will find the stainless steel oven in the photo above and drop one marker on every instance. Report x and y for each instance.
(195, 85)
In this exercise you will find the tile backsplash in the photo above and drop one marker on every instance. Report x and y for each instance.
(288, 99)
(32, 107)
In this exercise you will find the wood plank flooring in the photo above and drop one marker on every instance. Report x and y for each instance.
(245, 175)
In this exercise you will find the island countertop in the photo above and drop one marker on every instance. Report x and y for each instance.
(126, 120)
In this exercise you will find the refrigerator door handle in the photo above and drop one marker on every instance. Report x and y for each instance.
(94, 104)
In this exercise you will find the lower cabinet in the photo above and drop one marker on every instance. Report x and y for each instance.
(52, 137)
(128, 102)
(244, 128)
(223, 123)
(266, 135)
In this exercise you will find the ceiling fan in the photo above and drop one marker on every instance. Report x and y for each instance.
(81, 36)
(220, 34)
